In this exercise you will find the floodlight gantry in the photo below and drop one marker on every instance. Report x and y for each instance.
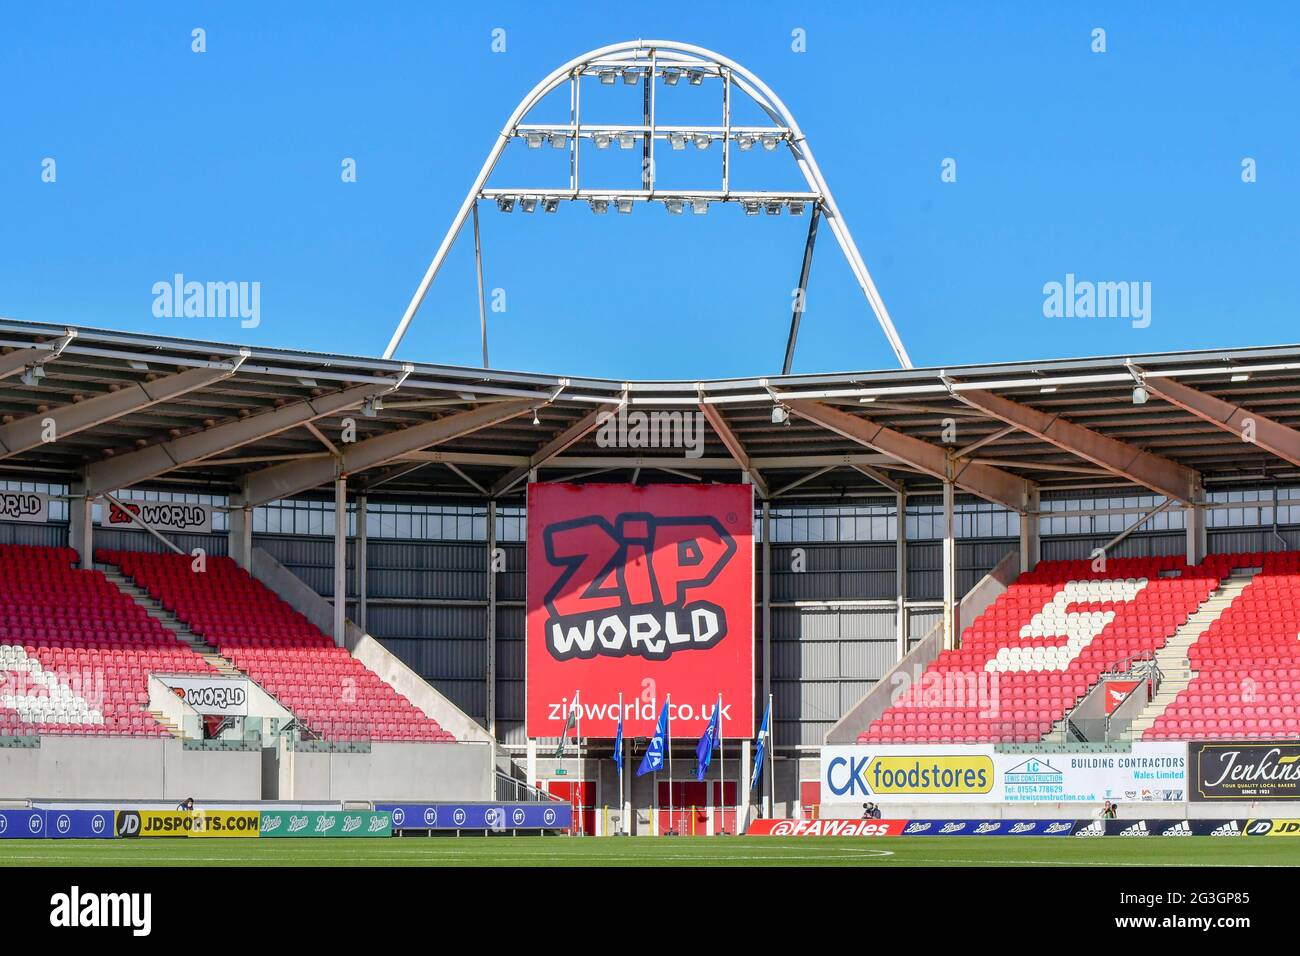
(641, 62)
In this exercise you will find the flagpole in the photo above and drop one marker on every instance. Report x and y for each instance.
(722, 767)
(577, 747)
(668, 743)
(771, 758)
(622, 807)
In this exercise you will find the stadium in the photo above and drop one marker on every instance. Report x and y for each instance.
(832, 619)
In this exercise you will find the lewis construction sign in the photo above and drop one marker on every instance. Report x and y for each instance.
(647, 592)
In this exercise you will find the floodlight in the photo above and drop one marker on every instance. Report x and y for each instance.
(601, 140)
(600, 206)
(534, 139)
(607, 77)
(506, 203)
(752, 207)
(702, 140)
(674, 206)
(699, 206)
(623, 205)
(528, 203)
(671, 76)
(550, 204)
(796, 207)
(677, 140)
(773, 208)
(626, 140)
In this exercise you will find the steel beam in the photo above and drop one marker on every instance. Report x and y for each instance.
(555, 446)
(29, 432)
(992, 484)
(734, 446)
(290, 478)
(14, 362)
(1274, 437)
(1141, 467)
(123, 471)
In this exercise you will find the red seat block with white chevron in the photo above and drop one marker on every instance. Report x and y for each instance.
(336, 695)
(1246, 664)
(75, 652)
(1041, 645)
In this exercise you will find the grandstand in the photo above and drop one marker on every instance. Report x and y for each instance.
(865, 550)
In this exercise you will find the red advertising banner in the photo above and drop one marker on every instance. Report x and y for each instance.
(826, 828)
(643, 591)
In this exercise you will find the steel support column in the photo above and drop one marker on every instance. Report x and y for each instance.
(340, 558)
(950, 607)
(1030, 536)
(81, 524)
(767, 645)
(491, 670)
(360, 563)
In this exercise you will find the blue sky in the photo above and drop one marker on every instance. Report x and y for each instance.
(225, 166)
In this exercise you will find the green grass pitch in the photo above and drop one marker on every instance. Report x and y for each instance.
(665, 851)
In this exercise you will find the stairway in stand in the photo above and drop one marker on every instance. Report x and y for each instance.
(1172, 659)
(169, 621)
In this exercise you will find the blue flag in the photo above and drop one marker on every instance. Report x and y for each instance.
(761, 748)
(618, 740)
(653, 761)
(704, 751)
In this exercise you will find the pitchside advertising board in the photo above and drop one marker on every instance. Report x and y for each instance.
(1245, 771)
(1150, 772)
(1047, 828)
(56, 824)
(644, 592)
(479, 816)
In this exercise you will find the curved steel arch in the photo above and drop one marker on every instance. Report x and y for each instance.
(651, 58)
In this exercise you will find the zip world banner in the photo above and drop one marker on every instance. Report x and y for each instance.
(647, 592)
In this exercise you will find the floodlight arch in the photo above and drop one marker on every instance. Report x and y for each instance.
(651, 59)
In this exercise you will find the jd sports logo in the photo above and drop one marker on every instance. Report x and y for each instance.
(128, 823)
(626, 588)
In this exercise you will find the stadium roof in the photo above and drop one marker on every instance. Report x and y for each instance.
(130, 409)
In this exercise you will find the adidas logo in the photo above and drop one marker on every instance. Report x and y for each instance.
(1182, 828)
(1138, 829)
(1227, 829)
(1092, 829)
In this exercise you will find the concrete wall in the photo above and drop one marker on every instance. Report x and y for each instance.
(127, 768)
(390, 772)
